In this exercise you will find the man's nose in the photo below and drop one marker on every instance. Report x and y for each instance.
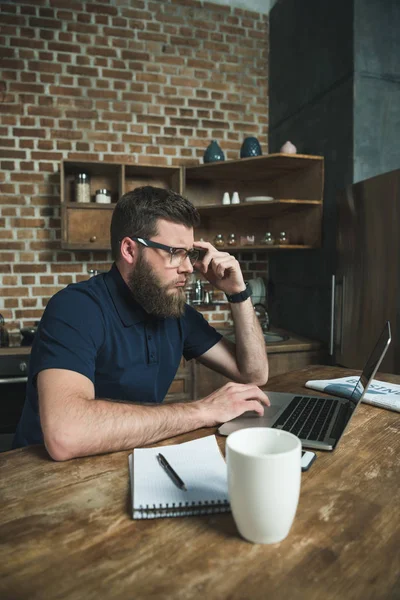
(186, 266)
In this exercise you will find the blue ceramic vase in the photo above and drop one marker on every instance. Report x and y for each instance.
(213, 153)
(250, 147)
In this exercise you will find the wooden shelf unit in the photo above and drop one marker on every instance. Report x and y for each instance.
(82, 230)
(295, 181)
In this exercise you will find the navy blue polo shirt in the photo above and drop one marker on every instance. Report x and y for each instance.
(97, 329)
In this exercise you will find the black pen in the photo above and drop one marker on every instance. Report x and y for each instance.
(170, 471)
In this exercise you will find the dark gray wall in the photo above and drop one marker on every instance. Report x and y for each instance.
(332, 87)
(377, 87)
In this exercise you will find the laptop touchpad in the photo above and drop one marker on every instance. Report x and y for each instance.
(269, 412)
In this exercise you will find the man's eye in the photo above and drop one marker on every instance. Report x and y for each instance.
(179, 253)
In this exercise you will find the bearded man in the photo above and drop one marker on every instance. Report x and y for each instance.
(107, 349)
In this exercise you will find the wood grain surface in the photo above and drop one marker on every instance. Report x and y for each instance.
(66, 529)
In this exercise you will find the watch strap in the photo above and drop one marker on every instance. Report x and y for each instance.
(241, 296)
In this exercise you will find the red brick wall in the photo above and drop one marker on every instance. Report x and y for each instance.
(147, 81)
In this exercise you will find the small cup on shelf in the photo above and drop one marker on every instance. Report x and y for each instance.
(219, 241)
(247, 240)
(226, 198)
(268, 239)
(232, 241)
(283, 238)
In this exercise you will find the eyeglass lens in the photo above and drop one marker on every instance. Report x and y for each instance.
(179, 255)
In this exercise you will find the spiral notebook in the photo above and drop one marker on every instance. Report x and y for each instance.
(199, 464)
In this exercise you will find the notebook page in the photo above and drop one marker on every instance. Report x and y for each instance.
(199, 464)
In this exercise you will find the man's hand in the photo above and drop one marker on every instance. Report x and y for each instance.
(221, 269)
(230, 401)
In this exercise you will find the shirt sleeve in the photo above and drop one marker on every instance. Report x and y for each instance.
(70, 334)
(199, 335)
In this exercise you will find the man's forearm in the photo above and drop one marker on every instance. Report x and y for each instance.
(96, 426)
(251, 354)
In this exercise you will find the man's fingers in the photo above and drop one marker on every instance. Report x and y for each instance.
(255, 406)
(266, 400)
(249, 392)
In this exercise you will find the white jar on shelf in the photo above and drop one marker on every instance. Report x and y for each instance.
(103, 196)
(82, 187)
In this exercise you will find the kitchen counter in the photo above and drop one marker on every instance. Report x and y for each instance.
(15, 350)
(295, 343)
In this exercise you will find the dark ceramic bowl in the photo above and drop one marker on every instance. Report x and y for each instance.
(28, 333)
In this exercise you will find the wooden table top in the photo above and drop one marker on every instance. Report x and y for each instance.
(66, 529)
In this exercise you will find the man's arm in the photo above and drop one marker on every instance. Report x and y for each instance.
(74, 423)
(246, 361)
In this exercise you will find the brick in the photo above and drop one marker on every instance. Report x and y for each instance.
(58, 90)
(7, 165)
(117, 74)
(118, 32)
(65, 279)
(46, 280)
(29, 302)
(10, 280)
(101, 9)
(10, 303)
(15, 109)
(30, 133)
(66, 268)
(63, 47)
(28, 280)
(45, 291)
(7, 143)
(12, 154)
(66, 134)
(26, 189)
(33, 88)
(14, 291)
(30, 177)
(79, 70)
(44, 67)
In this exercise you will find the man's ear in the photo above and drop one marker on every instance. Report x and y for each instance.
(129, 251)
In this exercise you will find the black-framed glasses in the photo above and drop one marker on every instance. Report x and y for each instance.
(177, 255)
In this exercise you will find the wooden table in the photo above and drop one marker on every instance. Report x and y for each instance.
(66, 529)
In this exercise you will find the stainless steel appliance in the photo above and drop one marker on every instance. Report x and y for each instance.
(13, 377)
(366, 285)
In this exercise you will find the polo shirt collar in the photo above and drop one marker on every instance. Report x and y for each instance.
(129, 311)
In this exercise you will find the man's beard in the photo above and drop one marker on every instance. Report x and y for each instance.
(149, 292)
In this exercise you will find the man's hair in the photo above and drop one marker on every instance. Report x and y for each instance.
(136, 214)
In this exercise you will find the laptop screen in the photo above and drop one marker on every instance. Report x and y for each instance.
(371, 365)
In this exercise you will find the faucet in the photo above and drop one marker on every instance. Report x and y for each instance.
(262, 315)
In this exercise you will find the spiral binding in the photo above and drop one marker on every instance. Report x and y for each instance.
(181, 509)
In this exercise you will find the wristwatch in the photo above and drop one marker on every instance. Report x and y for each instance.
(241, 296)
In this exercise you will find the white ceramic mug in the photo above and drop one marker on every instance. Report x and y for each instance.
(264, 475)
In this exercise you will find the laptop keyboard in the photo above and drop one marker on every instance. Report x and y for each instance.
(308, 418)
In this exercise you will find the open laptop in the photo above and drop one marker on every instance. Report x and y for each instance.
(318, 422)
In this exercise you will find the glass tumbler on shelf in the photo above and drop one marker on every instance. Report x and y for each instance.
(232, 241)
(268, 239)
(283, 238)
(219, 241)
(82, 187)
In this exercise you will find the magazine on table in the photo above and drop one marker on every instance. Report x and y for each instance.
(380, 393)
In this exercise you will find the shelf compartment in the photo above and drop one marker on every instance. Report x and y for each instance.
(102, 175)
(141, 175)
(277, 175)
